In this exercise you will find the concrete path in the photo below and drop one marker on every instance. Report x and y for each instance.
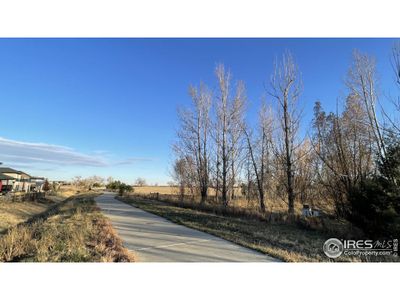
(155, 239)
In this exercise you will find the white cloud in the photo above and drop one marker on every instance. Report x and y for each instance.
(31, 154)
(132, 160)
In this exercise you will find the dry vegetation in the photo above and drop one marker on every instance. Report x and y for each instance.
(13, 213)
(73, 230)
(295, 242)
(240, 201)
(345, 164)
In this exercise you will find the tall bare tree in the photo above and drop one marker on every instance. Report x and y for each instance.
(362, 82)
(259, 153)
(194, 136)
(179, 175)
(395, 61)
(140, 181)
(235, 136)
(396, 68)
(344, 143)
(229, 115)
(184, 175)
(286, 88)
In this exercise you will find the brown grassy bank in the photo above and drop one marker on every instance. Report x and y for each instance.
(291, 242)
(71, 231)
(13, 213)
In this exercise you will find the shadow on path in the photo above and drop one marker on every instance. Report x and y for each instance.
(155, 239)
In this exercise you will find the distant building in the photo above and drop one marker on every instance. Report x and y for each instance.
(37, 183)
(18, 180)
(6, 183)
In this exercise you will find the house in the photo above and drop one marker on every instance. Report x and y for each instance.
(18, 180)
(6, 183)
(37, 183)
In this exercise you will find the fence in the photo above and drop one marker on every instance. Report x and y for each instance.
(22, 197)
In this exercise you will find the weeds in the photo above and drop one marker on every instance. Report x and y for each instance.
(72, 231)
(286, 241)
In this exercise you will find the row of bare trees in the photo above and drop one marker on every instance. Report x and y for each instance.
(88, 182)
(214, 140)
(275, 159)
(350, 144)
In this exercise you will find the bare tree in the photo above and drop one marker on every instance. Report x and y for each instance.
(140, 181)
(222, 128)
(217, 162)
(110, 180)
(395, 61)
(88, 182)
(259, 153)
(194, 136)
(344, 143)
(179, 176)
(306, 181)
(362, 82)
(396, 67)
(236, 137)
(247, 186)
(77, 181)
(229, 115)
(285, 88)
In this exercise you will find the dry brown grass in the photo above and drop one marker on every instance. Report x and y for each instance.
(299, 241)
(13, 213)
(68, 190)
(272, 205)
(71, 231)
(171, 190)
(283, 241)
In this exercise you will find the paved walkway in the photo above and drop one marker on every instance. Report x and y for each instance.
(155, 239)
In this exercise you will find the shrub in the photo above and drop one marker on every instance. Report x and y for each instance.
(375, 208)
(114, 185)
(46, 186)
(375, 203)
(124, 188)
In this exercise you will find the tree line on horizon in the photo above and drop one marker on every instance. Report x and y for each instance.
(350, 157)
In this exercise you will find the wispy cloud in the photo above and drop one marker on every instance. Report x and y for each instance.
(132, 160)
(27, 154)
(32, 153)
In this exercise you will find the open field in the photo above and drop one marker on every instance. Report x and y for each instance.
(13, 213)
(278, 206)
(172, 190)
(73, 230)
(68, 190)
(288, 242)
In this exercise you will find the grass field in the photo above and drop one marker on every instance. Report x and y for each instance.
(240, 201)
(288, 242)
(73, 230)
(13, 213)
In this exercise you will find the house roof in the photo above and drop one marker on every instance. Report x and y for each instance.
(9, 170)
(5, 177)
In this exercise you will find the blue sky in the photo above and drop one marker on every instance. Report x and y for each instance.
(108, 106)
